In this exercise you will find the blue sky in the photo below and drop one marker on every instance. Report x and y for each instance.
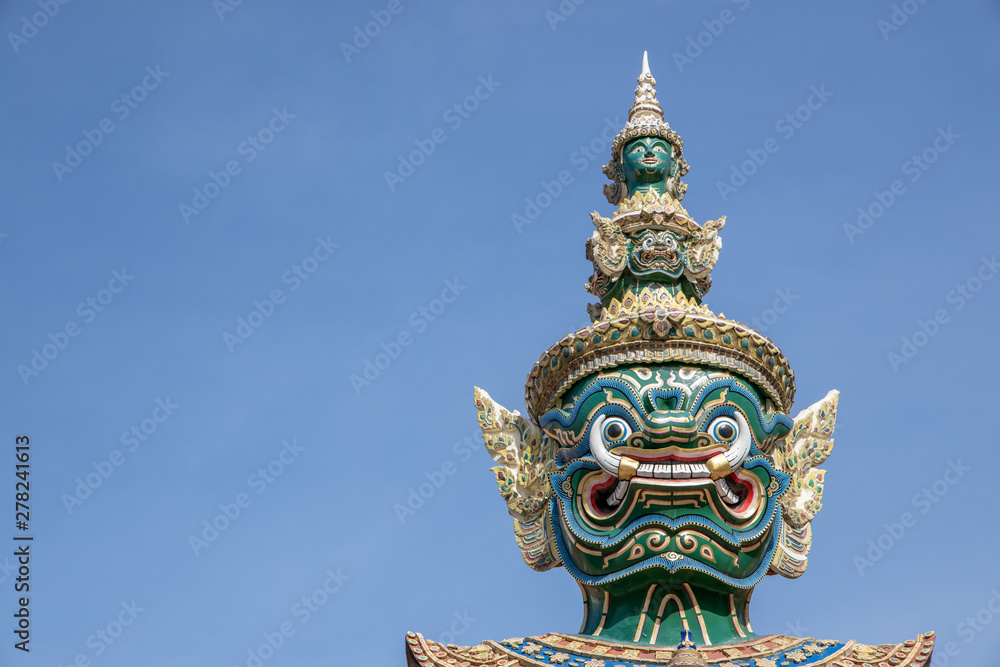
(244, 171)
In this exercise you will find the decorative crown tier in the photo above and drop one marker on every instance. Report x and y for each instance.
(657, 325)
(651, 238)
(653, 210)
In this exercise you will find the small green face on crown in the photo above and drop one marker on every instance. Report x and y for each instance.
(647, 164)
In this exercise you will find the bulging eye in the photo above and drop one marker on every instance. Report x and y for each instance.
(724, 429)
(615, 430)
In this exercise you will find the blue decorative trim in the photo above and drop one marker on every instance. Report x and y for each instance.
(541, 653)
(736, 386)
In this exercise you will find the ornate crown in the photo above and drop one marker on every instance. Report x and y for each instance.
(656, 325)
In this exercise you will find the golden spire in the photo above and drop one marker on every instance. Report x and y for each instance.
(646, 104)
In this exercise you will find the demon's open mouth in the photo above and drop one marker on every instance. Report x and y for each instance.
(678, 519)
(671, 468)
(605, 498)
(673, 473)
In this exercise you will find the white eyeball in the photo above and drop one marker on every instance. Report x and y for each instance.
(615, 430)
(724, 429)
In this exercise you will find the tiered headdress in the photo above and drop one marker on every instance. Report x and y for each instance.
(652, 266)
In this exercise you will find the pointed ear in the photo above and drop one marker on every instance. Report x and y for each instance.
(526, 457)
(808, 444)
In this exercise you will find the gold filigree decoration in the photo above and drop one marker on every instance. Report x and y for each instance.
(796, 656)
(653, 327)
(651, 300)
(767, 651)
(531, 648)
(806, 446)
(701, 243)
(703, 249)
(607, 247)
(661, 211)
(526, 457)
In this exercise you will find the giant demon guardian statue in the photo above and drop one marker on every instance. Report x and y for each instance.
(659, 463)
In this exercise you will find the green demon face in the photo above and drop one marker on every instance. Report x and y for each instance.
(656, 254)
(646, 161)
(665, 479)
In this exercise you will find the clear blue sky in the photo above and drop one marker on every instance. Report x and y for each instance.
(277, 139)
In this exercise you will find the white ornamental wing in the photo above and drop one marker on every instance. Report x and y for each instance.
(806, 446)
(526, 457)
